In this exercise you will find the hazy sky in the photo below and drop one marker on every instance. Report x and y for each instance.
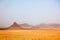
(29, 11)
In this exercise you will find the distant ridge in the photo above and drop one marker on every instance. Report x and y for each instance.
(26, 26)
(14, 26)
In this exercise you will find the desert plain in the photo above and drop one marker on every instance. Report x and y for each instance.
(26, 32)
(42, 34)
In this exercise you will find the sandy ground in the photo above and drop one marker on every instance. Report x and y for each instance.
(42, 34)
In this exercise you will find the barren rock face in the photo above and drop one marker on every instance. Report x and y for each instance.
(14, 26)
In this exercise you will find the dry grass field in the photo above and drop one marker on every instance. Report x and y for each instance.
(42, 34)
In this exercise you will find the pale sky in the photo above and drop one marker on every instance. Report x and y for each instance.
(29, 11)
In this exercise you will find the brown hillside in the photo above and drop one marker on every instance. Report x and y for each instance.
(26, 26)
(14, 26)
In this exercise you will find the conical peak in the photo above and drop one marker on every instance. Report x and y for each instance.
(14, 23)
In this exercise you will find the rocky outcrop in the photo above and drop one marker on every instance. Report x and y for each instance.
(14, 26)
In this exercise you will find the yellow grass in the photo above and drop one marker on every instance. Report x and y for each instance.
(30, 34)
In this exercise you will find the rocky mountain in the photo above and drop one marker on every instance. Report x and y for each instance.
(14, 26)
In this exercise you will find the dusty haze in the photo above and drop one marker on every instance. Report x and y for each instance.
(29, 11)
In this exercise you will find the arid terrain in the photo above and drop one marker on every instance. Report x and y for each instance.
(29, 32)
